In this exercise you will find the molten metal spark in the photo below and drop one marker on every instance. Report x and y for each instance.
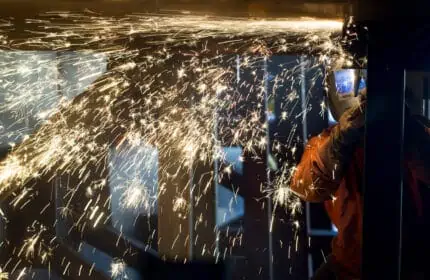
(3, 275)
(184, 86)
(117, 270)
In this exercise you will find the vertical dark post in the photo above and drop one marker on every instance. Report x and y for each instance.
(256, 222)
(187, 201)
(203, 203)
(174, 199)
(173, 208)
(257, 235)
(426, 96)
(383, 179)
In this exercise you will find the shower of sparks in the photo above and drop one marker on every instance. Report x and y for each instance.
(81, 90)
(22, 274)
(117, 270)
(35, 246)
(3, 275)
(323, 110)
(180, 205)
(134, 198)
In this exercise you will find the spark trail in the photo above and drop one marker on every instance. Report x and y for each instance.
(93, 85)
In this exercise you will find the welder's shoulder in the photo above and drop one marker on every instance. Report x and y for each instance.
(317, 140)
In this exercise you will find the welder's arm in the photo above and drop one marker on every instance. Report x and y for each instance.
(327, 157)
(314, 179)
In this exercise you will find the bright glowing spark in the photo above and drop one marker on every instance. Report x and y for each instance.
(117, 270)
(179, 204)
(3, 275)
(110, 94)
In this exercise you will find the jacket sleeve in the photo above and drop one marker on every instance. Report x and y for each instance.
(312, 181)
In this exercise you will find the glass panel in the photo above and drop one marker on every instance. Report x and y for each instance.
(230, 206)
(26, 92)
(33, 83)
(133, 181)
(233, 158)
(78, 71)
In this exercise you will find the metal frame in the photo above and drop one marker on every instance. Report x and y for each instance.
(383, 180)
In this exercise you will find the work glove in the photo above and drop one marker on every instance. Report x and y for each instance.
(337, 152)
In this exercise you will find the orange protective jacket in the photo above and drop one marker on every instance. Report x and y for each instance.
(343, 200)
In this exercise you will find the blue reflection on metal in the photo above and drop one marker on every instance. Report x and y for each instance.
(362, 84)
(230, 206)
(331, 119)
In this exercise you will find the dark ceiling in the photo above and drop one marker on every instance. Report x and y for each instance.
(246, 8)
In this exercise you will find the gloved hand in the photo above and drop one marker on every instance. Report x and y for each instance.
(339, 149)
(351, 124)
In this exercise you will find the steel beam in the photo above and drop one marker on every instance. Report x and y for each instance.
(383, 178)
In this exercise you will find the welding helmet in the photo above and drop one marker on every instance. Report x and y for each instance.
(344, 88)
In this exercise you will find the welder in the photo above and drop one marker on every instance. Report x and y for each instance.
(331, 171)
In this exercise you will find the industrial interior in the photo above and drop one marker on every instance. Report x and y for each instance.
(152, 139)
